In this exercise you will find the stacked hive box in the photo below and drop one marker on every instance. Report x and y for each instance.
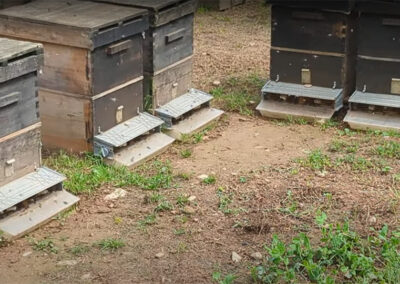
(221, 4)
(312, 59)
(376, 102)
(23, 182)
(168, 51)
(91, 87)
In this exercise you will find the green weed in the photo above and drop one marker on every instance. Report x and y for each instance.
(242, 179)
(111, 244)
(224, 201)
(179, 232)
(217, 277)
(389, 149)
(186, 153)
(329, 124)
(164, 206)
(46, 245)
(341, 255)
(79, 249)
(156, 197)
(316, 160)
(356, 163)
(210, 180)
(182, 200)
(148, 220)
(87, 173)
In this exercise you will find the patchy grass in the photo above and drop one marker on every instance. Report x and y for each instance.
(389, 149)
(218, 278)
(340, 255)
(182, 200)
(79, 249)
(111, 244)
(186, 153)
(239, 94)
(164, 206)
(210, 180)
(196, 138)
(87, 173)
(148, 221)
(224, 201)
(316, 160)
(45, 245)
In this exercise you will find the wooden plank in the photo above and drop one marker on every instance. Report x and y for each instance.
(65, 69)
(20, 153)
(67, 121)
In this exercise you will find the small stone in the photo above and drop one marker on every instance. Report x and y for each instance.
(234, 174)
(189, 210)
(86, 276)
(67, 263)
(202, 177)
(160, 255)
(256, 255)
(28, 253)
(243, 119)
(322, 173)
(236, 258)
(372, 220)
(252, 102)
(118, 193)
(216, 83)
(256, 134)
(224, 169)
(192, 198)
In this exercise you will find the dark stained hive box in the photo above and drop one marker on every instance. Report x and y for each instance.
(323, 43)
(168, 47)
(93, 65)
(19, 65)
(220, 4)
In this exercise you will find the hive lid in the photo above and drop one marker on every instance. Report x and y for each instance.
(63, 21)
(163, 11)
(11, 50)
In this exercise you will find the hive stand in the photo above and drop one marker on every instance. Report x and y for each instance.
(188, 113)
(31, 201)
(283, 100)
(132, 142)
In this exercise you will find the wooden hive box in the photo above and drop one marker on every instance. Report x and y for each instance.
(19, 63)
(93, 65)
(168, 47)
(221, 4)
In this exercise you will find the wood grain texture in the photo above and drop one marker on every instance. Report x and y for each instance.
(20, 153)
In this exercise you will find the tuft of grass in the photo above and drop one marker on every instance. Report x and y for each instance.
(343, 146)
(148, 220)
(182, 200)
(341, 255)
(164, 206)
(218, 278)
(87, 173)
(329, 124)
(186, 153)
(242, 179)
(46, 245)
(156, 197)
(224, 201)
(179, 232)
(210, 180)
(356, 163)
(79, 249)
(389, 149)
(111, 244)
(316, 160)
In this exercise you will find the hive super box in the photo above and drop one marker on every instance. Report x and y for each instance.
(92, 78)
(168, 48)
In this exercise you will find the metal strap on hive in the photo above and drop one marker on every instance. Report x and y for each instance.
(182, 105)
(28, 186)
(384, 100)
(298, 90)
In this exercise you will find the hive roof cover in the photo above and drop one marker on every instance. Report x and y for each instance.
(72, 13)
(10, 49)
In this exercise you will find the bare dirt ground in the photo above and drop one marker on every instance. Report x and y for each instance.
(259, 188)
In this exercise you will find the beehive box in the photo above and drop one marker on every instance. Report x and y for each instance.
(19, 65)
(93, 65)
(20, 153)
(221, 4)
(168, 47)
(376, 102)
